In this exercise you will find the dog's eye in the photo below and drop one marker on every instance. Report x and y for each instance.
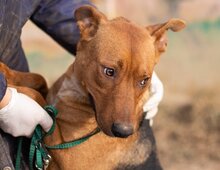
(109, 71)
(144, 81)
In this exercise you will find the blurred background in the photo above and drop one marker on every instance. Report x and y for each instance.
(187, 127)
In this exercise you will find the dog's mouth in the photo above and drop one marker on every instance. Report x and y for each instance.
(99, 123)
(109, 132)
(92, 102)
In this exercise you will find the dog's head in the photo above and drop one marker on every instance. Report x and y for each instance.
(115, 61)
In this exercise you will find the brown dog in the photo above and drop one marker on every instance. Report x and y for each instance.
(106, 87)
(31, 84)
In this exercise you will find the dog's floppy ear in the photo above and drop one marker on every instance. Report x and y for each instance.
(88, 20)
(158, 31)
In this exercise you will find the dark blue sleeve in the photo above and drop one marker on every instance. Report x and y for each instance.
(56, 18)
(3, 86)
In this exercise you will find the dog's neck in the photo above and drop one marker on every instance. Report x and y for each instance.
(76, 117)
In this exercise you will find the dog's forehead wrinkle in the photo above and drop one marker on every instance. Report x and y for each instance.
(111, 62)
(120, 63)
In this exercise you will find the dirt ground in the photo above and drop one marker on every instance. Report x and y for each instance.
(187, 127)
(187, 131)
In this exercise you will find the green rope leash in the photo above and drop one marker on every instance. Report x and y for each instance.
(38, 150)
(73, 143)
(37, 147)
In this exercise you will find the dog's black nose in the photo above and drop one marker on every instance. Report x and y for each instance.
(122, 130)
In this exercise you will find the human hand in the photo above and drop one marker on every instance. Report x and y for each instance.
(22, 114)
(156, 95)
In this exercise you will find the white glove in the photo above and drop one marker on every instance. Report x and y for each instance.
(22, 114)
(156, 95)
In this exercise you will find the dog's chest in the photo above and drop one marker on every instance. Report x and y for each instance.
(140, 150)
(100, 153)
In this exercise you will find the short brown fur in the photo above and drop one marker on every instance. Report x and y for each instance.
(31, 84)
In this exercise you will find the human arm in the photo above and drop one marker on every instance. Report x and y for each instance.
(3, 86)
(56, 19)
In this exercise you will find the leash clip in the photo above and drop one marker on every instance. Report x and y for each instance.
(45, 156)
(47, 161)
(38, 168)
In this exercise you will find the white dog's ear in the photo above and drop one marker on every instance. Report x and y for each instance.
(158, 32)
(88, 20)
